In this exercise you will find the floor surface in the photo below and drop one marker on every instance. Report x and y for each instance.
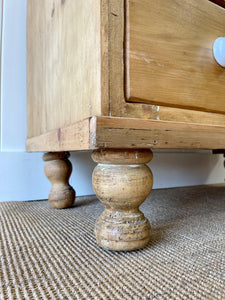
(52, 254)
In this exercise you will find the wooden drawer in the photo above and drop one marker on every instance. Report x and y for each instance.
(169, 59)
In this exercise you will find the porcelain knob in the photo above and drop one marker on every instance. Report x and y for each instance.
(219, 51)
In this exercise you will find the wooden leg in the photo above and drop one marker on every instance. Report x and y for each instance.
(58, 170)
(122, 181)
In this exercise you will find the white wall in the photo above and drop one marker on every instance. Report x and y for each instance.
(13, 93)
(21, 174)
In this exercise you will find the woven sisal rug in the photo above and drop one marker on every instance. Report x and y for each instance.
(52, 254)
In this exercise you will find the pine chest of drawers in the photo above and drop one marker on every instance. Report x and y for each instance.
(120, 78)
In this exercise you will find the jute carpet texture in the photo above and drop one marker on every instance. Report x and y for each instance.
(52, 254)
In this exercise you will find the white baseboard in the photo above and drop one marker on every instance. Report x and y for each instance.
(22, 176)
(187, 169)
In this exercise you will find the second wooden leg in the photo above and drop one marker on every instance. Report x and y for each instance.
(58, 170)
(122, 182)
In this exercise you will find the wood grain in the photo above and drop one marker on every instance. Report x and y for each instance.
(71, 138)
(105, 56)
(137, 133)
(169, 54)
(58, 170)
(164, 113)
(122, 188)
(112, 132)
(63, 63)
(116, 55)
(122, 157)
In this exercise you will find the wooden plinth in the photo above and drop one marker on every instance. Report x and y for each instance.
(122, 181)
(58, 170)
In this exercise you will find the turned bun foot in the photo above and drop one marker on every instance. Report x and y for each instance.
(58, 170)
(122, 181)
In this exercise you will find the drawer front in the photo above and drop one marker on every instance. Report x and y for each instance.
(169, 58)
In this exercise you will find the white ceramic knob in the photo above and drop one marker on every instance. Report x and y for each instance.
(219, 51)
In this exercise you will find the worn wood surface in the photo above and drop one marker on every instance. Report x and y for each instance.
(122, 188)
(105, 57)
(169, 57)
(112, 132)
(116, 56)
(122, 157)
(74, 137)
(136, 133)
(64, 82)
(164, 113)
(58, 170)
